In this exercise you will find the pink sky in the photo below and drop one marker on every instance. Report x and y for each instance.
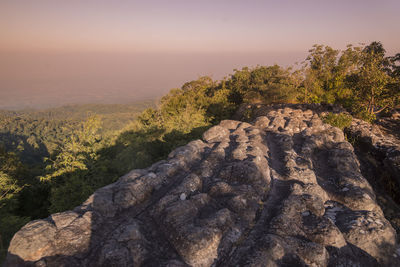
(81, 50)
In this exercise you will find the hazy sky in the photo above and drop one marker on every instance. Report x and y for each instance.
(96, 50)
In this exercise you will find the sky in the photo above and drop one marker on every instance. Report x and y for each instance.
(56, 52)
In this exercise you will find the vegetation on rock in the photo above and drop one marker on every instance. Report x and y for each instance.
(338, 120)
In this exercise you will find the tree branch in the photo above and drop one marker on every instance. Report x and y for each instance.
(376, 112)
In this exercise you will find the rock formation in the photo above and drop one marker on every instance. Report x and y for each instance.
(383, 146)
(286, 190)
(379, 157)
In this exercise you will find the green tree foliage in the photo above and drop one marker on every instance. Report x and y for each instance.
(393, 66)
(360, 78)
(372, 93)
(11, 184)
(272, 84)
(393, 69)
(67, 172)
(338, 120)
(321, 75)
(77, 151)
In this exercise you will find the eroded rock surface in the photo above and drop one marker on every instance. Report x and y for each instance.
(383, 146)
(285, 190)
(379, 155)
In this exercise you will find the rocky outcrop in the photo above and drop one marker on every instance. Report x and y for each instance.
(379, 155)
(286, 190)
(383, 146)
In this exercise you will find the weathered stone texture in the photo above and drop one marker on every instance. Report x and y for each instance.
(383, 146)
(285, 190)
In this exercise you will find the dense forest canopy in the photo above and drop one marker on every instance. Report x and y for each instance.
(52, 160)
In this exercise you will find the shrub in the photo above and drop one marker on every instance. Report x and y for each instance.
(366, 116)
(338, 120)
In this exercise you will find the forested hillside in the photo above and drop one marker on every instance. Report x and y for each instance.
(53, 160)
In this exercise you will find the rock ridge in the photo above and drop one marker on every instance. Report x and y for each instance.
(285, 190)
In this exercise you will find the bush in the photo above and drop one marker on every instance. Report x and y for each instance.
(366, 116)
(338, 120)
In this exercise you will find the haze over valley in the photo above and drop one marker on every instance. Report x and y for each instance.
(42, 80)
(64, 52)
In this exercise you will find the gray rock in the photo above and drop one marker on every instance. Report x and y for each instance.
(385, 148)
(216, 133)
(284, 191)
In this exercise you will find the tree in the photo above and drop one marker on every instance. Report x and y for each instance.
(360, 78)
(11, 184)
(77, 152)
(320, 74)
(263, 84)
(393, 69)
(68, 172)
(394, 66)
(372, 83)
